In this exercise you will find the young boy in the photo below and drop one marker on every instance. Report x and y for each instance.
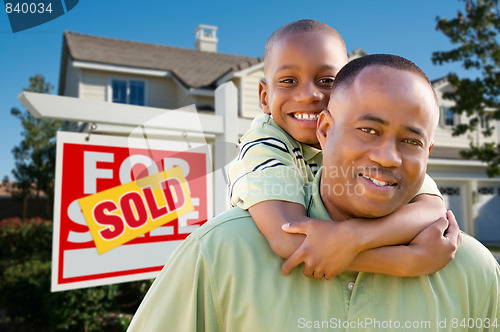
(280, 153)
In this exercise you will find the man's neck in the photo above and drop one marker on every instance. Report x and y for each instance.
(329, 202)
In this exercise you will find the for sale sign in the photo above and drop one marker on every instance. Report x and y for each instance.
(122, 205)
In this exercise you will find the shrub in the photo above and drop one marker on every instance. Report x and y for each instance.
(25, 297)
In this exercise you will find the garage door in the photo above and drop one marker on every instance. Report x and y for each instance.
(454, 194)
(487, 222)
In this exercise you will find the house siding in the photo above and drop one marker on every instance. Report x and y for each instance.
(444, 135)
(93, 85)
(184, 98)
(250, 94)
(71, 87)
(162, 92)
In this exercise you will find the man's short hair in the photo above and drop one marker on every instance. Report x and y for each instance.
(305, 25)
(349, 72)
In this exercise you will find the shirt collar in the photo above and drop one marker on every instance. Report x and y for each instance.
(309, 152)
(314, 204)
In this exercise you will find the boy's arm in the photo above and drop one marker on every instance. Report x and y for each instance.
(426, 207)
(341, 240)
(433, 248)
(320, 252)
(270, 215)
(401, 226)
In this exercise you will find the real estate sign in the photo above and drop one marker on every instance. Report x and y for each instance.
(123, 204)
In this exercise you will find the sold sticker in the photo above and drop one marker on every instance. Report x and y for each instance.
(120, 214)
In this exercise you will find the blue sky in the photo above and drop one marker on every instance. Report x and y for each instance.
(405, 28)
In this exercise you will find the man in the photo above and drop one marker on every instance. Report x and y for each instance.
(376, 140)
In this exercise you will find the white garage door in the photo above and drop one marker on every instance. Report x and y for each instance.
(487, 222)
(454, 194)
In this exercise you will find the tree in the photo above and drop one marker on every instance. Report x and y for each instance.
(35, 155)
(476, 35)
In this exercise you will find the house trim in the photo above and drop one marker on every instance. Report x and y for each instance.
(456, 162)
(84, 110)
(121, 69)
(239, 74)
(141, 71)
(80, 84)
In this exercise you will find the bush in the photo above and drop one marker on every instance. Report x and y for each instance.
(25, 297)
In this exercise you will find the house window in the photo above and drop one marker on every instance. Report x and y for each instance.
(450, 191)
(485, 123)
(449, 117)
(486, 190)
(128, 92)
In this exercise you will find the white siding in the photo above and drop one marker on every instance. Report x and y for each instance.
(184, 98)
(162, 92)
(94, 85)
(71, 86)
(249, 90)
(443, 133)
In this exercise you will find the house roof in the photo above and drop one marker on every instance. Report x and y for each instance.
(357, 53)
(193, 68)
(7, 188)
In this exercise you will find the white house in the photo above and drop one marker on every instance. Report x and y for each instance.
(160, 76)
(121, 71)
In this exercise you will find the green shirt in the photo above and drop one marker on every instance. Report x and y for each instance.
(272, 165)
(224, 277)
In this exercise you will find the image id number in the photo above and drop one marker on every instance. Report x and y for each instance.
(472, 323)
(26, 8)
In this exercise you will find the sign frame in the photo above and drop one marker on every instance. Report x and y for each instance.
(163, 248)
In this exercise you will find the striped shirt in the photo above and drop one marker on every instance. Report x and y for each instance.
(271, 165)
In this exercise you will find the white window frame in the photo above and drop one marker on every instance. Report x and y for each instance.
(456, 117)
(127, 79)
(484, 122)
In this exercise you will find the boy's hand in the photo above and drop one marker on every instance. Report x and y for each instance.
(435, 246)
(328, 249)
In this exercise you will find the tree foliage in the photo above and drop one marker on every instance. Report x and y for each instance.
(35, 155)
(475, 32)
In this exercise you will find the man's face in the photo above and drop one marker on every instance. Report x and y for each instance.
(299, 74)
(376, 140)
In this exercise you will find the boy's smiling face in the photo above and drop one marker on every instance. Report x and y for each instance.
(299, 74)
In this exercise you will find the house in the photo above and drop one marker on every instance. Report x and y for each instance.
(160, 76)
(121, 71)
(13, 204)
(467, 190)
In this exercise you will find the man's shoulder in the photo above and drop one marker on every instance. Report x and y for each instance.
(232, 220)
(231, 236)
(474, 258)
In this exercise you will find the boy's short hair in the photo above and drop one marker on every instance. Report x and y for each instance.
(298, 26)
(349, 72)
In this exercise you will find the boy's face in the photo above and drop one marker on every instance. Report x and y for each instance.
(299, 74)
(376, 140)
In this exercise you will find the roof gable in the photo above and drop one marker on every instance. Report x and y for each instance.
(193, 68)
